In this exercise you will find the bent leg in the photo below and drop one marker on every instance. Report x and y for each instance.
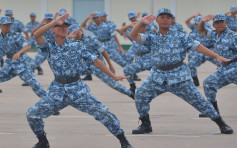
(188, 92)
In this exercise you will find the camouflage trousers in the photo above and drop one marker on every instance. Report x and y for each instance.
(141, 64)
(77, 95)
(20, 68)
(185, 90)
(222, 77)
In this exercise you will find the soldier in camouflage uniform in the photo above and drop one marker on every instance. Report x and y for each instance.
(39, 58)
(232, 18)
(175, 26)
(14, 46)
(195, 59)
(105, 32)
(65, 59)
(170, 73)
(30, 26)
(94, 46)
(143, 56)
(225, 44)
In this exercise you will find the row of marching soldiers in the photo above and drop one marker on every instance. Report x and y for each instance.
(160, 49)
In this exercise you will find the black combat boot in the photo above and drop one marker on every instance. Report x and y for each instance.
(195, 81)
(40, 70)
(87, 78)
(225, 129)
(25, 84)
(145, 127)
(124, 142)
(216, 108)
(133, 87)
(136, 77)
(56, 113)
(0, 91)
(132, 96)
(43, 142)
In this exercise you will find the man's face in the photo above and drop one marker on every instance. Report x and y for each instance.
(164, 21)
(10, 15)
(32, 18)
(48, 21)
(96, 20)
(103, 18)
(60, 31)
(5, 28)
(133, 19)
(220, 26)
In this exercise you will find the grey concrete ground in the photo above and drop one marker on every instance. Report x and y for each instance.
(175, 123)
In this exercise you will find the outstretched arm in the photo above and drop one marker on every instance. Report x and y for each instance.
(99, 64)
(120, 48)
(106, 56)
(134, 34)
(202, 49)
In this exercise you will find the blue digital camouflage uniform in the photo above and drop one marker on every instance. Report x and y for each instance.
(105, 32)
(195, 59)
(232, 21)
(225, 46)
(17, 26)
(176, 26)
(193, 27)
(66, 62)
(130, 55)
(144, 60)
(94, 46)
(10, 45)
(169, 50)
(39, 58)
(30, 27)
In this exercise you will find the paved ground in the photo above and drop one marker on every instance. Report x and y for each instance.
(175, 123)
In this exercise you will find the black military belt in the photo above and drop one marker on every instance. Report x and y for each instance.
(67, 80)
(9, 56)
(104, 40)
(228, 63)
(142, 53)
(169, 67)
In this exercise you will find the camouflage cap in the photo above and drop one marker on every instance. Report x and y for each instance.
(131, 14)
(197, 19)
(164, 11)
(144, 14)
(32, 14)
(103, 13)
(5, 20)
(8, 12)
(62, 11)
(97, 14)
(233, 7)
(219, 17)
(48, 16)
